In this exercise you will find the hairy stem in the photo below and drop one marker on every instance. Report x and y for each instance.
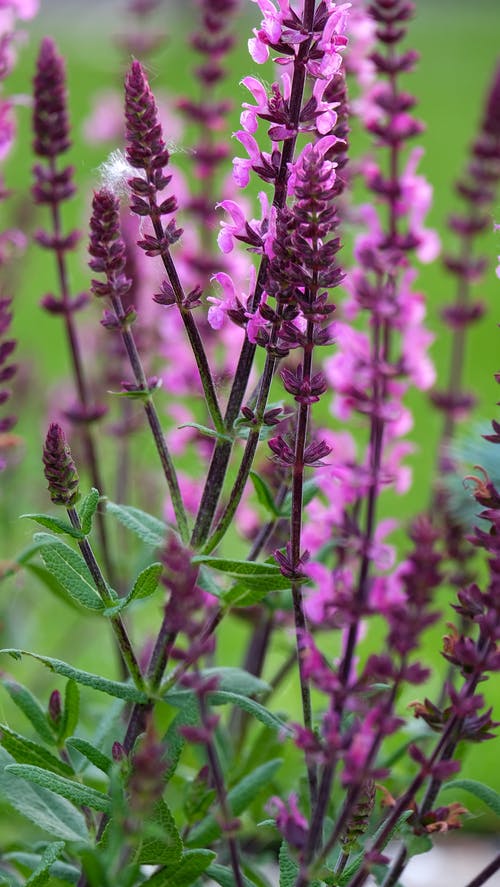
(79, 377)
(153, 419)
(117, 625)
(222, 451)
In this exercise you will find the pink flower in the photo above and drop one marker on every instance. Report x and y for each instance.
(229, 231)
(7, 128)
(248, 117)
(290, 821)
(241, 165)
(220, 307)
(270, 30)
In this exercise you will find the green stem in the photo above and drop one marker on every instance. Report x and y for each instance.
(191, 329)
(119, 629)
(153, 419)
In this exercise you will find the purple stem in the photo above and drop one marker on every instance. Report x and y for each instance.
(486, 873)
(220, 789)
(152, 417)
(222, 452)
(79, 376)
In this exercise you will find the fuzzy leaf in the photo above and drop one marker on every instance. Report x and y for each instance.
(190, 867)
(60, 870)
(309, 492)
(487, 795)
(236, 680)
(87, 509)
(30, 707)
(208, 583)
(144, 586)
(239, 798)
(262, 714)
(255, 576)
(104, 685)
(207, 432)
(224, 876)
(73, 791)
(53, 585)
(354, 867)
(70, 570)
(162, 844)
(241, 595)
(89, 751)
(189, 715)
(255, 569)
(289, 869)
(25, 751)
(230, 679)
(56, 524)
(49, 812)
(151, 530)
(71, 710)
(264, 494)
(42, 872)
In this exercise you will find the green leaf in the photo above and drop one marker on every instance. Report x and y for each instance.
(251, 569)
(42, 872)
(191, 866)
(56, 524)
(73, 791)
(30, 707)
(70, 570)
(144, 586)
(189, 715)
(60, 870)
(162, 844)
(104, 685)
(354, 867)
(71, 710)
(52, 584)
(239, 798)
(289, 869)
(208, 583)
(240, 595)
(180, 698)
(89, 751)
(310, 490)
(255, 576)
(484, 793)
(49, 812)
(236, 680)
(262, 714)
(25, 751)
(146, 526)
(225, 876)
(207, 432)
(264, 494)
(87, 509)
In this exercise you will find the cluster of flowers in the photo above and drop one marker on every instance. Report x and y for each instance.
(224, 328)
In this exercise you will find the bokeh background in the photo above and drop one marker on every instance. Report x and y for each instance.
(459, 45)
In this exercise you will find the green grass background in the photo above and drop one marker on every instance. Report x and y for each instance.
(459, 45)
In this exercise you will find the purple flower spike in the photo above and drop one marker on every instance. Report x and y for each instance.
(107, 247)
(59, 468)
(50, 119)
(145, 145)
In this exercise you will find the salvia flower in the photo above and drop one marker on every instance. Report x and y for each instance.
(59, 468)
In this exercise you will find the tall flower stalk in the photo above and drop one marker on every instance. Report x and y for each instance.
(108, 257)
(170, 786)
(53, 186)
(477, 188)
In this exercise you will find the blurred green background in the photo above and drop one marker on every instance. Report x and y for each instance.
(459, 43)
